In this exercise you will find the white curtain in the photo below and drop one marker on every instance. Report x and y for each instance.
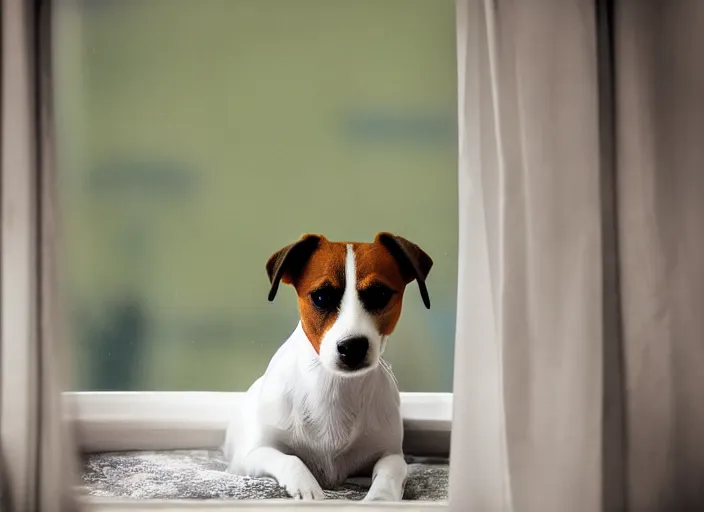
(579, 369)
(38, 457)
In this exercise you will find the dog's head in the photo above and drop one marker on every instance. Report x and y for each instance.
(349, 294)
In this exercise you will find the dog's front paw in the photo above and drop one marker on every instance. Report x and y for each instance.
(300, 484)
(304, 488)
(384, 493)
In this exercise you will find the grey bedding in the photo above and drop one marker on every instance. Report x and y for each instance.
(200, 474)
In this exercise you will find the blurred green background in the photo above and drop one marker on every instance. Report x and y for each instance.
(196, 137)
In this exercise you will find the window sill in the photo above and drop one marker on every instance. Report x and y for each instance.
(126, 505)
(124, 421)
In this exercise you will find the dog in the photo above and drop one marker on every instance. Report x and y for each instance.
(327, 407)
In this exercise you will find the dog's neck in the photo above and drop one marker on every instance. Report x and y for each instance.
(326, 384)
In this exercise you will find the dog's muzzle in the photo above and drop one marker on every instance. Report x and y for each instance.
(352, 352)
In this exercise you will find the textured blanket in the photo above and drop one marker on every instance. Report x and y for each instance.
(200, 474)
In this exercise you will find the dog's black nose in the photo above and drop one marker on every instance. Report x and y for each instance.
(353, 351)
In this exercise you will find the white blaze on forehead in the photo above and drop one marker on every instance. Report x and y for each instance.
(352, 319)
(349, 298)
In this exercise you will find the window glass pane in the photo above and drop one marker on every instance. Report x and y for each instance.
(196, 137)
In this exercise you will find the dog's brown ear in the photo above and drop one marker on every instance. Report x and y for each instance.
(413, 261)
(286, 263)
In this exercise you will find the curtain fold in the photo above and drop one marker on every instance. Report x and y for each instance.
(580, 335)
(38, 456)
(660, 137)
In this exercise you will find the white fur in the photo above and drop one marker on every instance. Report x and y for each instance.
(309, 425)
(352, 320)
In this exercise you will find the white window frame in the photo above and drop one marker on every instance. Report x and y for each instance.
(122, 421)
(106, 421)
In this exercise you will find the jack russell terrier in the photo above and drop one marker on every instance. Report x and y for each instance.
(327, 407)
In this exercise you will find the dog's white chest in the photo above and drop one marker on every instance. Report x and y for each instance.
(327, 445)
(336, 438)
(337, 426)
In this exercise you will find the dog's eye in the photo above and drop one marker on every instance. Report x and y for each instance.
(376, 297)
(326, 298)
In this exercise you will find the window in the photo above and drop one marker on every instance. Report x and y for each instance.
(195, 137)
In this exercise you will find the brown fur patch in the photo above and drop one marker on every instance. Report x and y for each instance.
(374, 264)
(325, 266)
